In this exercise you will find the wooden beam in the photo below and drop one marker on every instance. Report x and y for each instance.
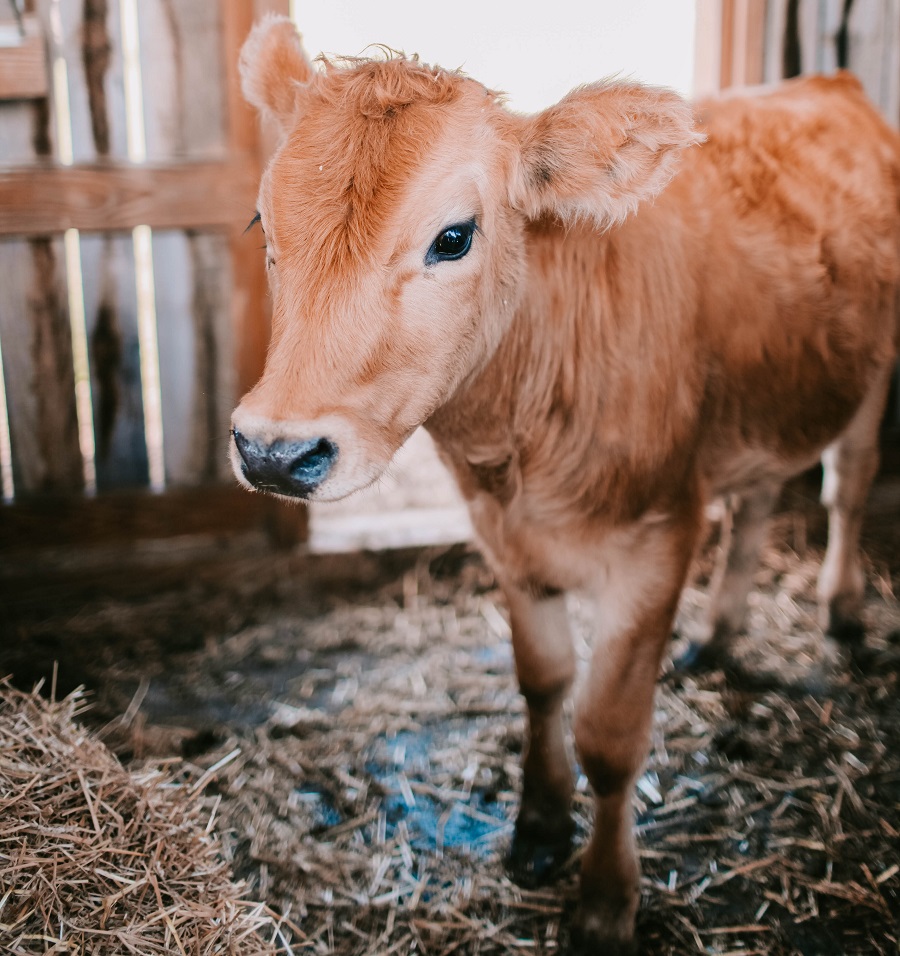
(748, 40)
(23, 63)
(251, 301)
(251, 304)
(45, 521)
(707, 48)
(39, 200)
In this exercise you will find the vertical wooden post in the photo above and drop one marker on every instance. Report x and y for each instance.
(730, 40)
(250, 303)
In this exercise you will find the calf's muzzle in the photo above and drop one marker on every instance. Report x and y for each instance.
(293, 468)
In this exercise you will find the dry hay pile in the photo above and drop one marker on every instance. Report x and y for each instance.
(95, 859)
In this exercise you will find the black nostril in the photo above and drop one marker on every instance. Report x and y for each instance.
(243, 446)
(314, 462)
(286, 467)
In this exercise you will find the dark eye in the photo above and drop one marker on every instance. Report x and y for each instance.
(452, 243)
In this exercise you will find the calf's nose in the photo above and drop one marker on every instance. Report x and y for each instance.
(294, 468)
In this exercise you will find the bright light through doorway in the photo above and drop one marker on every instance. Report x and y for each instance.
(534, 50)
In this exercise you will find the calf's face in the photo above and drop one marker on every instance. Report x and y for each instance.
(395, 214)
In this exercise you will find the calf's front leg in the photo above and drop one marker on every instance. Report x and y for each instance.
(613, 719)
(545, 665)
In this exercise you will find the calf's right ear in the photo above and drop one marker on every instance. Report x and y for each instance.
(274, 69)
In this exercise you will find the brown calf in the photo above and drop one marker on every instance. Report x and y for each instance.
(593, 366)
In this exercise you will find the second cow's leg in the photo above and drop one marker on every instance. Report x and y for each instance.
(849, 465)
(743, 536)
(613, 722)
(545, 665)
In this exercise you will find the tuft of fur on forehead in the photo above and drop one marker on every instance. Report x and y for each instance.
(380, 86)
(364, 129)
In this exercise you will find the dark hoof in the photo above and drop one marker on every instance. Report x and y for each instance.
(849, 631)
(701, 659)
(587, 944)
(538, 854)
(606, 931)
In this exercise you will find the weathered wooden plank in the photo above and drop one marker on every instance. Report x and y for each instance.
(23, 64)
(773, 57)
(47, 199)
(194, 334)
(183, 111)
(21, 125)
(830, 18)
(111, 325)
(38, 369)
(35, 329)
(889, 99)
(867, 29)
(181, 60)
(748, 39)
(66, 521)
(250, 302)
(90, 43)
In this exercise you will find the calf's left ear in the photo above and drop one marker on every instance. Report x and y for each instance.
(600, 151)
(274, 69)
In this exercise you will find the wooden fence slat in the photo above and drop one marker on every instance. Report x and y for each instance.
(181, 49)
(866, 28)
(64, 521)
(17, 140)
(194, 351)
(37, 358)
(111, 318)
(92, 48)
(890, 89)
(773, 56)
(23, 66)
(113, 198)
(181, 60)
(18, 362)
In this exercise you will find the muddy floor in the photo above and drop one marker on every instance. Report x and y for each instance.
(355, 723)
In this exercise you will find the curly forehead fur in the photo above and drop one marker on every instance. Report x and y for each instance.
(364, 127)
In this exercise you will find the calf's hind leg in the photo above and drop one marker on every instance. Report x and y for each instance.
(744, 531)
(545, 664)
(849, 465)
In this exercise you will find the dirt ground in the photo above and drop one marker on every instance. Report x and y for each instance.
(358, 725)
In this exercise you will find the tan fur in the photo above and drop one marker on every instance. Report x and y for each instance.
(590, 383)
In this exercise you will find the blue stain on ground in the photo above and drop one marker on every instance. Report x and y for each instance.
(320, 802)
(400, 760)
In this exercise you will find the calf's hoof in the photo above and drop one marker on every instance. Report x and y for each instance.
(849, 631)
(701, 658)
(538, 852)
(607, 930)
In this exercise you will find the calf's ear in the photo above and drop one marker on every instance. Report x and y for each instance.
(600, 151)
(274, 68)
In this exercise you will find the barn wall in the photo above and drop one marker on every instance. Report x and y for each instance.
(133, 309)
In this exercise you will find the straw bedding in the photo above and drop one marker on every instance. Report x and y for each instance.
(352, 754)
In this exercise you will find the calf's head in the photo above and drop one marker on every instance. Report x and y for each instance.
(395, 213)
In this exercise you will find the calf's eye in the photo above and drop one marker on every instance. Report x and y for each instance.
(453, 243)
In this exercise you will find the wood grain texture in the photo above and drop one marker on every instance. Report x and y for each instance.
(64, 521)
(110, 305)
(23, 68)
(37, 358)
(96, 198)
